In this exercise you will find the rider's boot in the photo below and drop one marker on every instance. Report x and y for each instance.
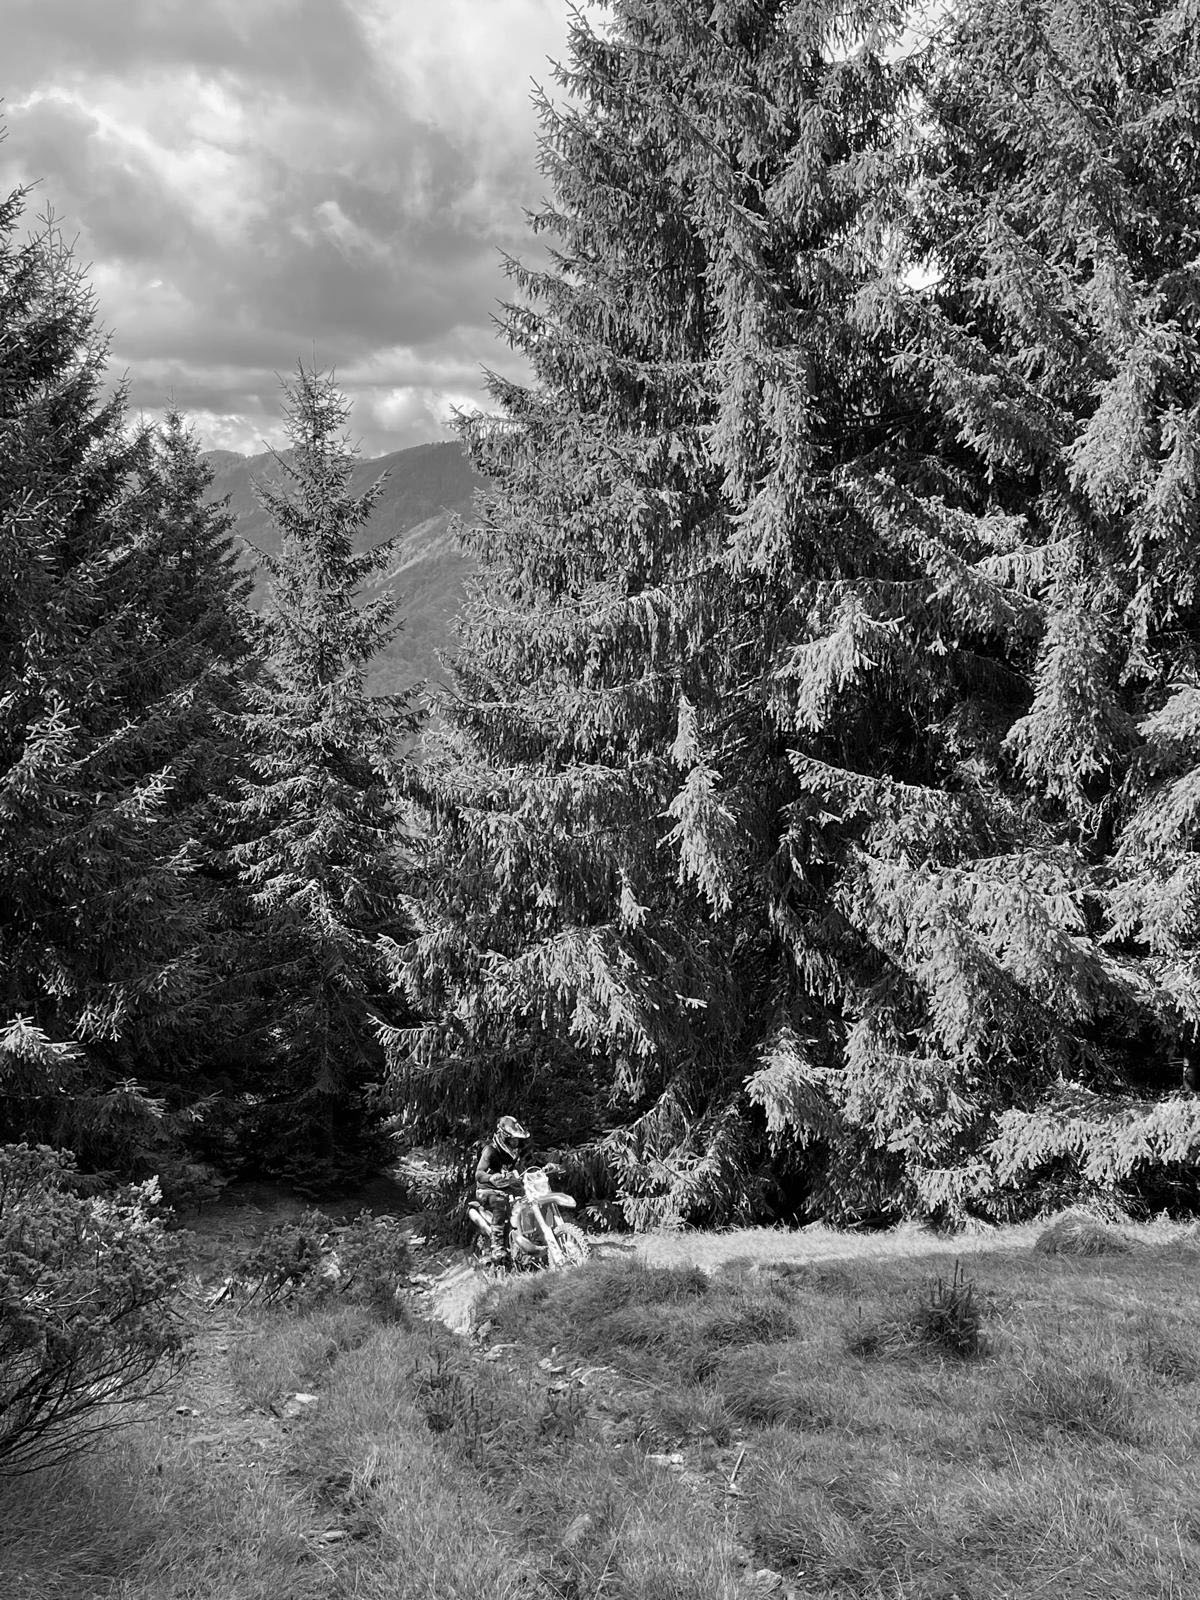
(498, 1253)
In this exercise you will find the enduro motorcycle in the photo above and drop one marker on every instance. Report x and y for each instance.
(538, 1235)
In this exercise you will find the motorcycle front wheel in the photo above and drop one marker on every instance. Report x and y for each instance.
(574, 1244)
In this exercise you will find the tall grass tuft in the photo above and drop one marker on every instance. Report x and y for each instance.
(948, 1317)
(945, 1319)
(1092, 1401)
(1168, 1349)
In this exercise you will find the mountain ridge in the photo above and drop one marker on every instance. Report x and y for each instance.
(427, 487)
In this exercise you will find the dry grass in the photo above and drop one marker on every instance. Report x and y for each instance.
(65, 1532)
(295, 1353)
(1076, 1233)
(421, 1474)
(153, 1517)
(1061, 1459)
(814, 1243)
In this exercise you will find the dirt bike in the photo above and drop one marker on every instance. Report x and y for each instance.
(538, 1235)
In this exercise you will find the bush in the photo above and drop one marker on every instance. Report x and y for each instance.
(285, 1264)
(373, 1260)
(438, 1195)
(312, 1260)
(87, 1316)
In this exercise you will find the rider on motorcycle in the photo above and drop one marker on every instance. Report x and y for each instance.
(497, 1180)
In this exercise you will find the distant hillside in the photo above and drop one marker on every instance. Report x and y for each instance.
(426, 487)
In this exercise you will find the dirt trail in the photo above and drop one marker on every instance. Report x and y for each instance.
(451, 1294)
(207, 1413)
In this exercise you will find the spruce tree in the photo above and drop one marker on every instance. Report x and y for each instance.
(1060, 347)
(321, 836)
(187, 663)
(120, 646)
(628, 895)
(817, 792)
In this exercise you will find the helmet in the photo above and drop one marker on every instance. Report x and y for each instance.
(508, 1135)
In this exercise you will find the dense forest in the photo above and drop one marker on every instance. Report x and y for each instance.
(804, 822)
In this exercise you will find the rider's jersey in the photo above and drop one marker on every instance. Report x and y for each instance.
(492, 1162)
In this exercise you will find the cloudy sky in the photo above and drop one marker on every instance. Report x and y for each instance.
(256, 182)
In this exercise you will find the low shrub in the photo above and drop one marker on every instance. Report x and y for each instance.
(373, 1260)
(187, 1185)
(311, 1260)
(285, 1263)
(948, 1317)
(87, 1306)
(437, 1194)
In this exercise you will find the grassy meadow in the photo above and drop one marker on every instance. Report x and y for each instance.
(1016, 1424)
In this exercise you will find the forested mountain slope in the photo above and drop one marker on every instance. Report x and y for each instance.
(427, 486)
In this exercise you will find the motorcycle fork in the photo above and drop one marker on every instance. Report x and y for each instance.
(553, 1251)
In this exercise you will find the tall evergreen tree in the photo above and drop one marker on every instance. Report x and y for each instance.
(671, 537)
(120, 646)
(1060, 346)
(792, 729)
(320, 820)
(187, 662)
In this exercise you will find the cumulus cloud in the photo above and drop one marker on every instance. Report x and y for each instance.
(260, 181)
